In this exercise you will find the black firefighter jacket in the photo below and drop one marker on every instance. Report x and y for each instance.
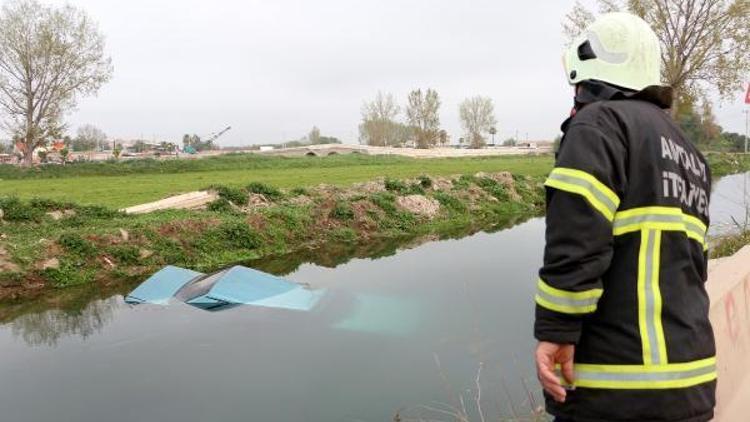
(625, 266)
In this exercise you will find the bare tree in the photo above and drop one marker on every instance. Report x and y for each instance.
(49, 57)
(477, 118)
(704, 43)
(443, 137)
(89, 137)
(379, 126)
(576, 21)
(711, 130)
(422, 116)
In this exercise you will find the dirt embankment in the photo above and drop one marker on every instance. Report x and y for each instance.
(47, 244)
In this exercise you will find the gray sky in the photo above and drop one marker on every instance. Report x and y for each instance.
(274, 68)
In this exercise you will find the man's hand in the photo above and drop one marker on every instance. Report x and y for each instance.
(547, 356)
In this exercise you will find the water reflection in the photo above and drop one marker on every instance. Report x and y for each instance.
(332, 255)
(47, 328)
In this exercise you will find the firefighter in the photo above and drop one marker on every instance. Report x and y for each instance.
(621, 306)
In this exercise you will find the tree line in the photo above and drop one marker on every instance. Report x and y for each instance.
(384, 124)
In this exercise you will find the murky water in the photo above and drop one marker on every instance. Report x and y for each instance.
(730, 204)
(407, 332)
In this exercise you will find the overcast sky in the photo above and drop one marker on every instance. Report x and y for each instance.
(274, 68)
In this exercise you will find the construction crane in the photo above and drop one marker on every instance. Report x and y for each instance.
(218, 134)
(214, 136)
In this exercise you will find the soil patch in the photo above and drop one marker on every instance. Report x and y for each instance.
(419, 204)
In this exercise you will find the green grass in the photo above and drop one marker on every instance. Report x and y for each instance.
(730, 245)
(130, 183)
(124, 184)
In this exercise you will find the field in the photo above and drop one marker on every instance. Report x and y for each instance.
(118, 185)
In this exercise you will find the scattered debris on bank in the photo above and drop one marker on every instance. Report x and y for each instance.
(190, 200)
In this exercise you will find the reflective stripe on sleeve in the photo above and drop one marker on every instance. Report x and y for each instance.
(646, 377)
(567, 302)
(601, 197)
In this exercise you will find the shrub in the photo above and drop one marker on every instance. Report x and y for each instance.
(48, 204)
(169, 250)
(299, 192)
(236, 196)
(343, 234)
(269, 192)
(730, 245)
(385, 201)
(238, 234)
(494, 188)
(220, 205)
(67, 274)
(126, 254)
(425, 182)
(293, 218)
(8, 279)
(75, 244)
(402, 188)
(15, 210)
(97, 212)
(450, 202)
(394, 185)
(463, 182)
(400, 220)
(342, 211)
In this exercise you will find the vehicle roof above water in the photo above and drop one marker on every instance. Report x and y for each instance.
(236, 285)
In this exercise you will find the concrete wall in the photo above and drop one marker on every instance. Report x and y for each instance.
(729, 288)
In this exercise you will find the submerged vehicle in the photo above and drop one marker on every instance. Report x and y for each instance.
(231, 287)
(238, 285)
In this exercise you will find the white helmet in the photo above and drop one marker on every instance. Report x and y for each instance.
(618, 48)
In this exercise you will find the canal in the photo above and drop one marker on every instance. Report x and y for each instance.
(418, 333)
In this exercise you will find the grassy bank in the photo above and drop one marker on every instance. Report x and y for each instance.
(46, 244)
(118, 185)
(730, 245)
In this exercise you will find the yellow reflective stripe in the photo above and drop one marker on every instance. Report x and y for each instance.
(601, 197)
(641, 288)
(660, 218)
(565, 301)
(649, 299)
(648, 384)
(696, 229)
(647, 377)
(700, 225)
(655, 280)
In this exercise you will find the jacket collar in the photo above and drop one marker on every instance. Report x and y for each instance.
(594, 91)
